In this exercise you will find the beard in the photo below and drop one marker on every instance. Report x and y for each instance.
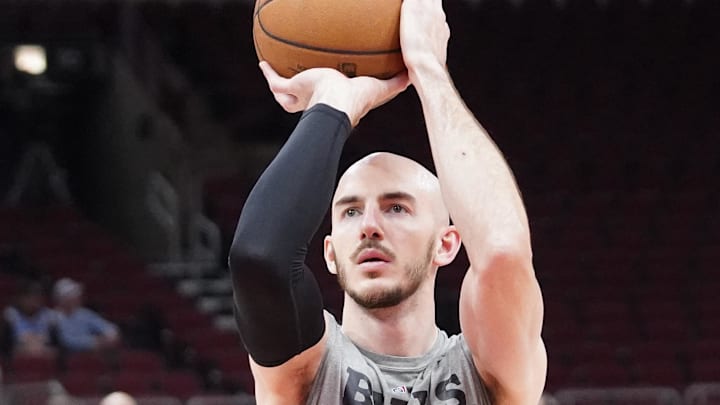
(387, 297)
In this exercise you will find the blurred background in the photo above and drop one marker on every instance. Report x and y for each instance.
(132, 131)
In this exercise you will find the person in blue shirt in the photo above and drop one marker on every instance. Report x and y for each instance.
(80, 328)
(31, 322)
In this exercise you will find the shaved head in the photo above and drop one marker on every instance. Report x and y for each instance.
(118, 398)
(402, 171)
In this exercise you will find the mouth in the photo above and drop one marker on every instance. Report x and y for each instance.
(372, 256)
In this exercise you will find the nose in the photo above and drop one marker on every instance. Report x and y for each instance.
(371, 226)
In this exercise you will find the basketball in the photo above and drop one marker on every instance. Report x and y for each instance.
(358, 37)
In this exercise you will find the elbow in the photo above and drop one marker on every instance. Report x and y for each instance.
(246, 255)
(503, 258)
(254, 245)
(515, 250)
(253, 259)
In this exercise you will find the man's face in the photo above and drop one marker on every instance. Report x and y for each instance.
(71, 302)
(385, 231)
(30, 303)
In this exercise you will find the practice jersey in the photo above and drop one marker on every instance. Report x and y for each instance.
(349, 375)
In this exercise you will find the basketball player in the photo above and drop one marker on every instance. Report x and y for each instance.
(390, 233)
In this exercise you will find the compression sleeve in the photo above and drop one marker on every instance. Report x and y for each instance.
(278, 305)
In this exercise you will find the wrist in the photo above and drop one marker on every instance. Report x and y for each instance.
(338, 100)
(323, 108)
(424, 76)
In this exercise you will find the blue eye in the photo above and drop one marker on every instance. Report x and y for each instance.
(397, 208)
(351, 212)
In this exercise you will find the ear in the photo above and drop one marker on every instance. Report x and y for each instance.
(448, 247)
(329, 254)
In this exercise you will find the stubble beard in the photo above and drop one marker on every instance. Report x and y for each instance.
(415, 273)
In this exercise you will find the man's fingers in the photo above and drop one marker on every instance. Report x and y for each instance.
(267, 70)
(276, 82)
(392, 87)
(279, 86)
(398, 83)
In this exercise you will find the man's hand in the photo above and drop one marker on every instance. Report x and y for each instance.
(424, 35)
(107, 341)
(354, 96)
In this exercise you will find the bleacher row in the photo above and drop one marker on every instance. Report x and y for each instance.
(170, 347)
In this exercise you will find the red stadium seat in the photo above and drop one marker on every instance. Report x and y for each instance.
(81, 383)
(659, 373)
(600, 374)
(87, 362)
(136, 383)
(705, 370)
(139, 360)
(26, 368)
(181, 384)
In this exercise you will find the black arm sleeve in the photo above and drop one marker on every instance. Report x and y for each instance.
(278, 305)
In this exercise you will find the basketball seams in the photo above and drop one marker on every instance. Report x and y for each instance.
(313, 47)
(289, 48)
(260, 6)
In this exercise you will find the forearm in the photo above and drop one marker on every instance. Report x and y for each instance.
(500, 302)
(99, 325)
(289, 201)
(477, 184)
(77, 342)
(278, 303)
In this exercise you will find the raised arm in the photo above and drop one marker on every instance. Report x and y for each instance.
(278, 304)
(500, 302)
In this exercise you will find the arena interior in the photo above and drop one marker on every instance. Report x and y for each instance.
(131, 138)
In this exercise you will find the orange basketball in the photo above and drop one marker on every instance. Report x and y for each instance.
(356, 37)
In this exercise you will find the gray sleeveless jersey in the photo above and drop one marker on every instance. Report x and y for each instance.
(349, 375)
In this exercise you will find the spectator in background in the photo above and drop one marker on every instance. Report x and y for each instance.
(118, 398)
(79, 328)
(61, 399)
(31, 323)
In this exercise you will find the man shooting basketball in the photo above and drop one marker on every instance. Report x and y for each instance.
(390, 233)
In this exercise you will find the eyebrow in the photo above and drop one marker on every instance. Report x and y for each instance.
(395, 195)
(398, 195)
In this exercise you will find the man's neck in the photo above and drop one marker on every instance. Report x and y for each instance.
(407, 329)
(67, 310)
